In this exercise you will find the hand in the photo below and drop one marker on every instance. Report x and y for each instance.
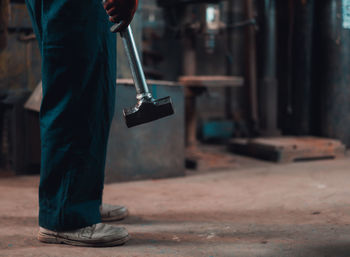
(121, 11)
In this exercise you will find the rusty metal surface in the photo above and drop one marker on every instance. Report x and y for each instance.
(289, 149)
(153, 150)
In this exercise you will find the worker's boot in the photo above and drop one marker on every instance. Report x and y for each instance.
(113, 212)
(98, 235)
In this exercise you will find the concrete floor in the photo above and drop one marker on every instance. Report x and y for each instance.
(300, 209)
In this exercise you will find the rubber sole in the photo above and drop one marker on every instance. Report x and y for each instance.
(115, 218)
(51, 239)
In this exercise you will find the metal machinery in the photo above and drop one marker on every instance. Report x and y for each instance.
(196, 17)
(312, 68)
(203, 27)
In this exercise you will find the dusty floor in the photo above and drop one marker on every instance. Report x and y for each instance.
(300, 209)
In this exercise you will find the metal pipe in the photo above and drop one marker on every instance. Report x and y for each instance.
(251, 73)
(135, 64)
(331, 79)
(268, 84)
(301, 70)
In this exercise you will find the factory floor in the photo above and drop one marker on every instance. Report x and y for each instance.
(251, 209)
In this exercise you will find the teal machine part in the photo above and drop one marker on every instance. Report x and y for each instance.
(217, 129)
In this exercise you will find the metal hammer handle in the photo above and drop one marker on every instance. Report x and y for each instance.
(135, 63)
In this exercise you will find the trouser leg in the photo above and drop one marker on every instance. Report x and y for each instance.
(78, 74)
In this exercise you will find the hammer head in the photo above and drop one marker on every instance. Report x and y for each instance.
(147, 111)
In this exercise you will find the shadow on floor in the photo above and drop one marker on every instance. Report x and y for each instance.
(331, 249)
(12, 221)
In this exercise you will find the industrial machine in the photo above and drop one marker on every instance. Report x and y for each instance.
(198, 17)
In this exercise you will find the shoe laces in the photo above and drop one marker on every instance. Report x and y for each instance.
(88, 231)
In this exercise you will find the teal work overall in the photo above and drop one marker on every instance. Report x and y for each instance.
(78, 74)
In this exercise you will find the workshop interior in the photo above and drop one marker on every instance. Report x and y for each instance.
(247, 76)
(221, 85)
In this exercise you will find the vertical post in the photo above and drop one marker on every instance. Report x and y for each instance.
(302, 67)
(267, 68)
(189, 65)
(189, 69)
(251, 78)
(332, 73)
(228, 91)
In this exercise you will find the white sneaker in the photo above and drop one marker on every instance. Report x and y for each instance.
(113, 212)
(98, 235)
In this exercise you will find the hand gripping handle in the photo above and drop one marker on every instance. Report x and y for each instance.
(134, 60)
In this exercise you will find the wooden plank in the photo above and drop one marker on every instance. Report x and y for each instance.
(211, 81)
(149, 82)
(289, 149)
(34, 101)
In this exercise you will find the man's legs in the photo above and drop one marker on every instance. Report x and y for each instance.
(78, 73)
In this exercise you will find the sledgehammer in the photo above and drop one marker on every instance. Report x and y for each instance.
(147, 108)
